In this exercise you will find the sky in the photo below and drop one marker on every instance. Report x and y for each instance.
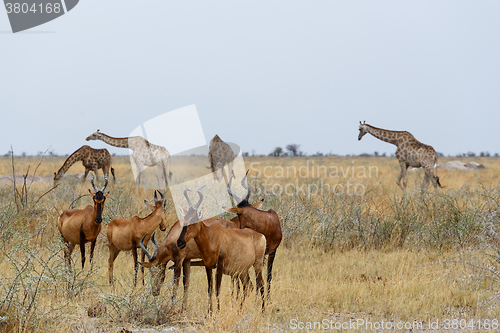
(261, 74)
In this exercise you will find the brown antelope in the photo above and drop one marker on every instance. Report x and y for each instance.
(266, 223)
(230, 251)
(80, 226)
(168, 250)
(125, 235)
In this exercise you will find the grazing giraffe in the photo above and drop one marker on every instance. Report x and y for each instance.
(144, 153)
(220, 154)
(92, 159)
(410, 152)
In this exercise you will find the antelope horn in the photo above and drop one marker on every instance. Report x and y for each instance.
(162, 196)
(245, 185)
(187, 198)
(201, 198)
(156, 245)
(92, 182)
(105, 183)
(155, 197)
(238, 200)
(153, 257)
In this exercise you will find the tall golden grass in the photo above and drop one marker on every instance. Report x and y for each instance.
(374, 254)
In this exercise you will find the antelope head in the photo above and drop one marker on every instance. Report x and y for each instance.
(99, 198)
(363, 129)
(158, 204)
(191, 217)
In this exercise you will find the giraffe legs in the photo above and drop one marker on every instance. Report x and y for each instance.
(429, 176)
(85, 175)
(402, 175)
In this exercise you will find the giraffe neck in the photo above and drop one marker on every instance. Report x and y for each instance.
(72, 159)
(116, 142)
(385, 135)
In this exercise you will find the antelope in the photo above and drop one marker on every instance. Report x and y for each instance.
(125, 235)
(168, 250)
(80, 226)
(230, 251)
(266, 223)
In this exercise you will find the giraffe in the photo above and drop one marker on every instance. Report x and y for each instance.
(220, 154)
(144, 153)
(409, 152)
(92, 159)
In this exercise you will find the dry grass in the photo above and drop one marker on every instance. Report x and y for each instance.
(379, 255)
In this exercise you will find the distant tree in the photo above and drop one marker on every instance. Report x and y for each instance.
(375, 154)
(497, 155)
(293, 149)
(246, 153)
(471, 154)
(384, 155)
(484, 154)
(440, 154)
(278, 151)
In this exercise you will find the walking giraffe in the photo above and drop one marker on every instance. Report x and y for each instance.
(410, 152)
(92, 159)
(144, 153)
(220, 154)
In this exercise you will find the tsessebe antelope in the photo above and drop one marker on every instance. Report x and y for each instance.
(230, 251)
(266, 223)
(79, 226)
(125, 235)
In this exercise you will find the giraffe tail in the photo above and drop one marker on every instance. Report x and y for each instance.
(113, 173)
(436, 176)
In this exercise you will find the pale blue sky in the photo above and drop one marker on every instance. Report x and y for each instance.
(261, 73)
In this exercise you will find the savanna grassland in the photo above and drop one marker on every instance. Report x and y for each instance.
(354, 248)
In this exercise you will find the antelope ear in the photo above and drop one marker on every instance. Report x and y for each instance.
(106, 195)
(233, 210)
(146, 203)
(90, 192)
(182, 211)
(146, 264)
(258, 204)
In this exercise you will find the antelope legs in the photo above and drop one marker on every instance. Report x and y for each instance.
(270, 261)
(67, 251)
(113, 253)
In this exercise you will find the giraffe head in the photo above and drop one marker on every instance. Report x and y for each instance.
(363, 129)
(57, 177)
(94, 136)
